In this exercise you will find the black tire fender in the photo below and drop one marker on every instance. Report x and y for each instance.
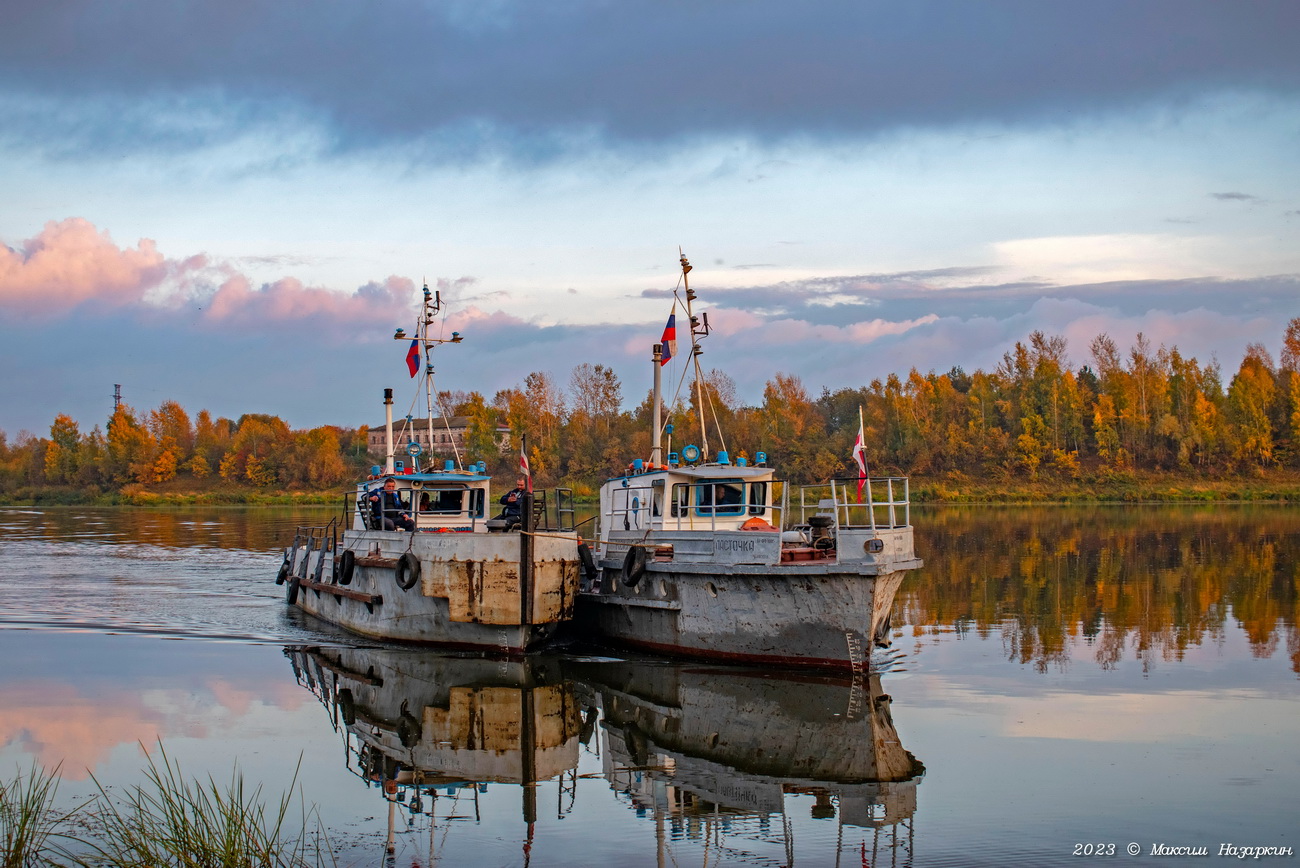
(347, 707)
(347, 565)
(407, 573)
(588, 562)
(638, 746)
(633, 565)
(291, 592)
(284, 572)
(409, 730)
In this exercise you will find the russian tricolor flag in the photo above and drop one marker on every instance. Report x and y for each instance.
(668, 342)
(413, 358)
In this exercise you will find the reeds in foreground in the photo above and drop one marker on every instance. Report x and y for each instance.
(27, 817)
(169, 820)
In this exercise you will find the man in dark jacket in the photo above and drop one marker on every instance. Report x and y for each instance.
(386, 508)
(513, 502)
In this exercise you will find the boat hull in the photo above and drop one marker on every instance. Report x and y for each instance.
(468, 593)
(823, 616)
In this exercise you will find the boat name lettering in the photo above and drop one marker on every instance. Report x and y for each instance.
(737, 545)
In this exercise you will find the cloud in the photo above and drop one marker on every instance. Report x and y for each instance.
(1104, 258)
(540, 79)
(71, 264)
(1235, 197)
(289, 302)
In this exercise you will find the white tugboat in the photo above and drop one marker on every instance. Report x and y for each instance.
(424, 561)
(702, 556)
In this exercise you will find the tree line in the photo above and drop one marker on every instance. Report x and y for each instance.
(1033, 416)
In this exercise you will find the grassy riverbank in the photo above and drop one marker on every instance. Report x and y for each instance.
(187, 493)
(1275, 486)
(1108, 487)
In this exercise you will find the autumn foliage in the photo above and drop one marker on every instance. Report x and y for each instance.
(1036, 416)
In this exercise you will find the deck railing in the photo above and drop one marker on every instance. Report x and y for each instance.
(318, 538)
(885, 502)
(553, 509)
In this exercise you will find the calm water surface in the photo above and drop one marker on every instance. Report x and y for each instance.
(1061, 678)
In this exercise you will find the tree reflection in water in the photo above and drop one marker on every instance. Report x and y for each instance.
(1152, 581)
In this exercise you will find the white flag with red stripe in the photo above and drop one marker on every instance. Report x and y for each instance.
(860, 456)
(523, 469)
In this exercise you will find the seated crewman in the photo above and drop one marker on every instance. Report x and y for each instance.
(386, 508)
(513, 503)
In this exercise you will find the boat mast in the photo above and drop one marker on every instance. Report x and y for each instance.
(698, 330)
(656, 422)
(428, 313)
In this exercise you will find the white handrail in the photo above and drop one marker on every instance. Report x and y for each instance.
(842, 508)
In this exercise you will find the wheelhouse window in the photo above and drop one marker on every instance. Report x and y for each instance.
(757, 498)
(445, 501)
(723, 497)
(681, 502)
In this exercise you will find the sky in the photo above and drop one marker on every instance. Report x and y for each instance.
(233, 205)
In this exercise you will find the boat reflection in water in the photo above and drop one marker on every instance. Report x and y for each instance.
(715, 750)
(417, 722)
(713, 755)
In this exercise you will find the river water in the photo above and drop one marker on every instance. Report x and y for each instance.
(1064, 682)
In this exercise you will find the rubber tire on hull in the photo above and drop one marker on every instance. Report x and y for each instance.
(409, 730)
(284, 572)
(347, 707)
(346, 566)
(633, 566)
(407, 573)
(291, 592)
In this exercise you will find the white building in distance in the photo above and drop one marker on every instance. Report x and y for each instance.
(447, 438)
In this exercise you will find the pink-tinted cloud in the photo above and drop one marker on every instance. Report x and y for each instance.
(236, 302)
(60, 726)
(69, 263)
(474, 317)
